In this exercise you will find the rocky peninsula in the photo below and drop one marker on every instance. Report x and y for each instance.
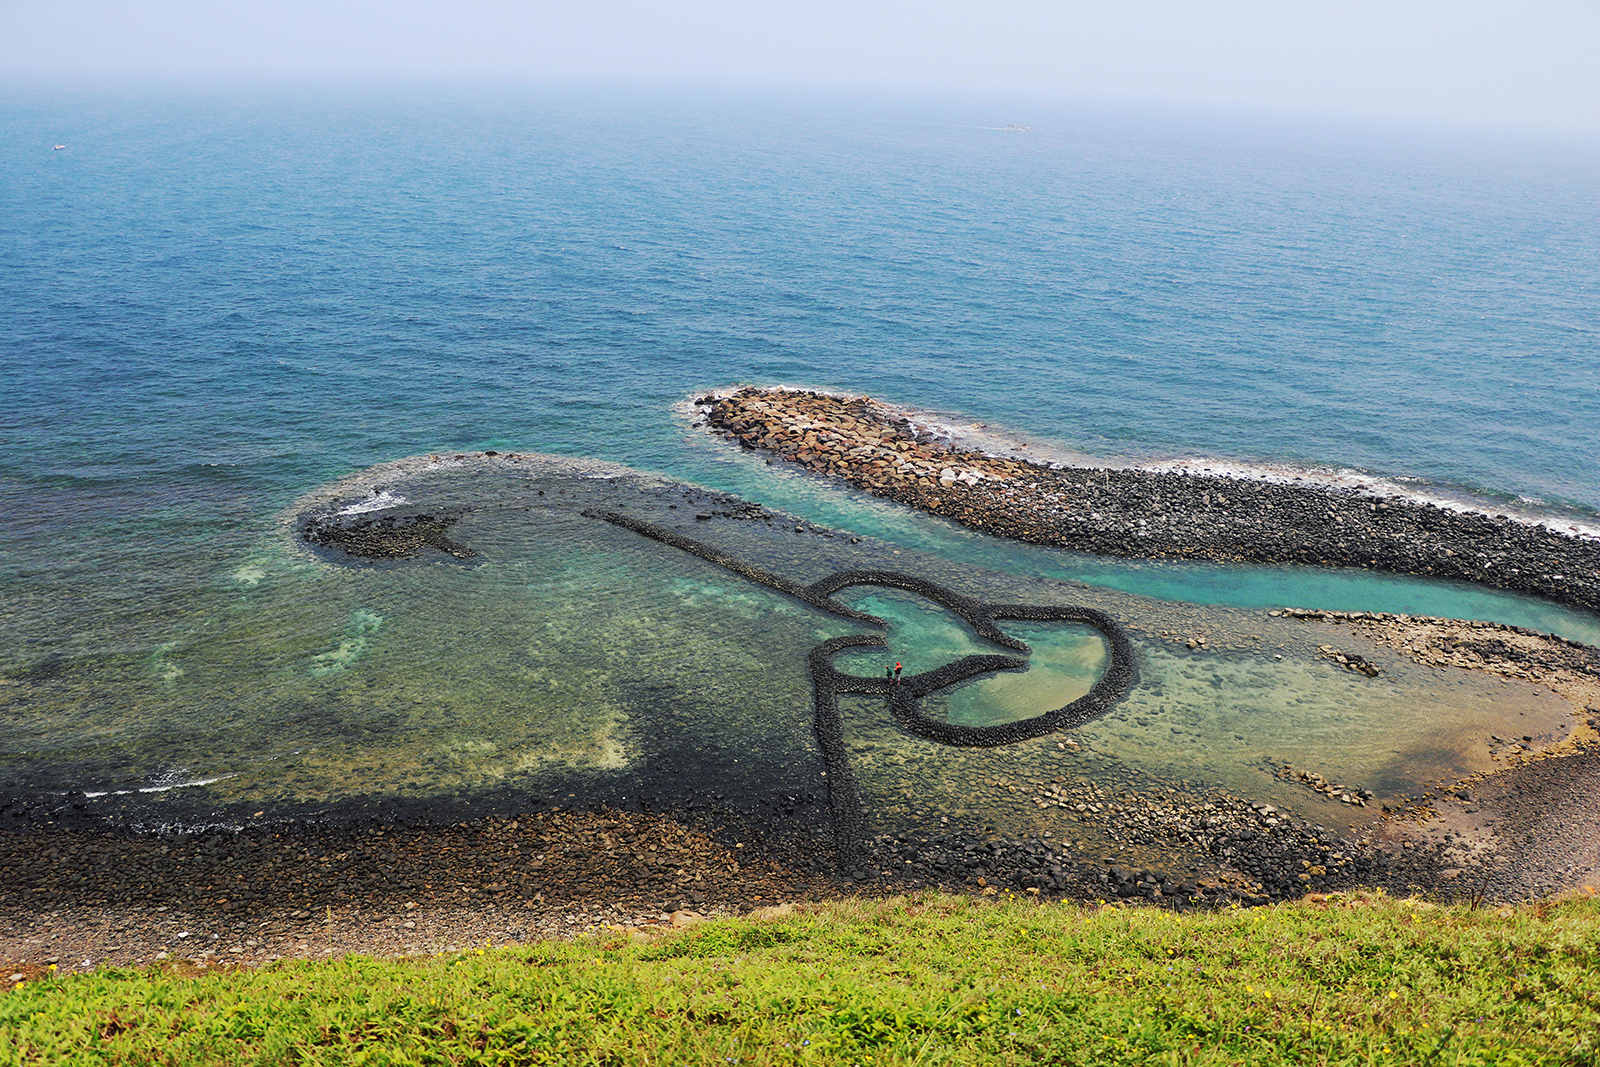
(1149, 514)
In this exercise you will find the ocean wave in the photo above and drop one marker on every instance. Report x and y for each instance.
(1364, 483)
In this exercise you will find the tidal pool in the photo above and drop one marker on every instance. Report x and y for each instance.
(1066, 660)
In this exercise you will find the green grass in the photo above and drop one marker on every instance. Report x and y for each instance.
(927, 980)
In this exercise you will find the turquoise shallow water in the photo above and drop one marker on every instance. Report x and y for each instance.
(213, 304)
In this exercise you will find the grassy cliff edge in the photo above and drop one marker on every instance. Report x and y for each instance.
(928, 979)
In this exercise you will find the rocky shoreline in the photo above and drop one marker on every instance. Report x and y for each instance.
(1148, 514)
(79, 896)
(83, 898)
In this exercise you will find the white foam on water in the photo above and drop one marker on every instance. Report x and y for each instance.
(378, 502)
(158, 788)
(1006, 444)
(1380, 487)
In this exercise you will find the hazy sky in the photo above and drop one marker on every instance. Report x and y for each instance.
(1524, 64)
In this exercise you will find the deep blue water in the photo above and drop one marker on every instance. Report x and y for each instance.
(212, 302)
(291, 285)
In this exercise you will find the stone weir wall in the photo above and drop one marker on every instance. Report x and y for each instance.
(1152, 515)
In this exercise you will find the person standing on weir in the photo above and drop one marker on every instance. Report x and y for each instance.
(897, 674)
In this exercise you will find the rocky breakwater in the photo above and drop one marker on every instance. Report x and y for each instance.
(1150, 514)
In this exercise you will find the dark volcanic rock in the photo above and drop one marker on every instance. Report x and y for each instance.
(386, 537)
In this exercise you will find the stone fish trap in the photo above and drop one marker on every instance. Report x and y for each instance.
(906, 694)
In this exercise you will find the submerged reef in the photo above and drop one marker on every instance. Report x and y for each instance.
(1151, 514)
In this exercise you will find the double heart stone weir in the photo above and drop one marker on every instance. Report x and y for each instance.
(905, 694)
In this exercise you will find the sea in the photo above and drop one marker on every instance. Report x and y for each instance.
(224, 309)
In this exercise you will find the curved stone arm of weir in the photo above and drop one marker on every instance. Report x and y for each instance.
(906, 695)
(737, 566)
(844, 796)
(977, 615)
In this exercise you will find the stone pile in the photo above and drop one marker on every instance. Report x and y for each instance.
(1332, 790)
(1350, 661)
(853, 439)
(387, 537)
